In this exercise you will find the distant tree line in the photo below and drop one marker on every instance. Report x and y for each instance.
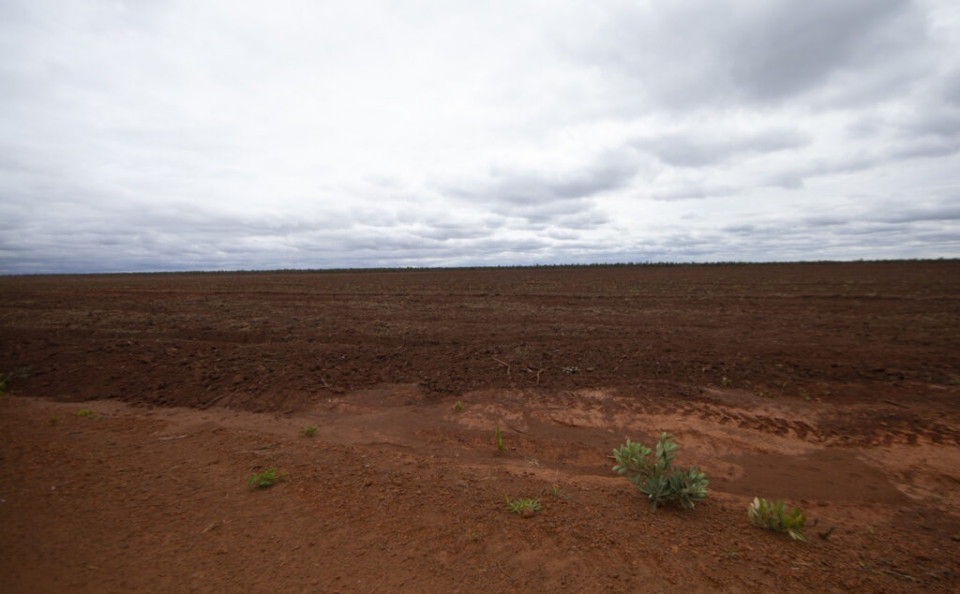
(647, 264)
(382, 269)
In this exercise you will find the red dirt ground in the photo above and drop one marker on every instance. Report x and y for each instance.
(835, 387)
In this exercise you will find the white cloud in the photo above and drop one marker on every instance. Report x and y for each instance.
(217, 135)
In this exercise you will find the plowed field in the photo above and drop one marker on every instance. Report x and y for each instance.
(833, 387)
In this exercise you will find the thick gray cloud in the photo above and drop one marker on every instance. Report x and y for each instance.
(708, 53)
(794, 47)
(546, 200)
(217, 135)
(708, 147)
(536, 189)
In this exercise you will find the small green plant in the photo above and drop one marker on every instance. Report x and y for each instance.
(725, 382)
(773, 516)
(53, 419)
(265, 479)
(6, 378)
(84, 412)
(458, 406)
(656, 479)
(523, 507)
(498, 439)
(309, 431)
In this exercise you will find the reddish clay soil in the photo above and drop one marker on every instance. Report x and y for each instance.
(835, 387)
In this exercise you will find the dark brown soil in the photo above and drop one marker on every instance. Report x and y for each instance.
(835, 387)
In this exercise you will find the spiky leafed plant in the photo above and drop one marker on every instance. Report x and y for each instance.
(656, 479)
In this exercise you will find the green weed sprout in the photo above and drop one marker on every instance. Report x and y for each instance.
(85, 412)
(771, 515)
(309, 431)
(458, 406)
(498, 439)
(53, 419)
(6, 378)
(265, 479)
(522, 506)
(656, 479)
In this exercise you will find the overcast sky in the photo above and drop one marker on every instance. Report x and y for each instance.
(220, 135)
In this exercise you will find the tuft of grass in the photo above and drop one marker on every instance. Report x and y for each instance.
(772, 515)
(725, 382)
(522, 507)
(53, 419)
(266, 479)
(309, 431)
(85, 412)
(498, 439)
(458, 406)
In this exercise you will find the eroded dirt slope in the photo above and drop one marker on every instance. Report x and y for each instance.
(395, 493)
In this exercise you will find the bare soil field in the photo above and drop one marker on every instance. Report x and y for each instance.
(833, 387)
